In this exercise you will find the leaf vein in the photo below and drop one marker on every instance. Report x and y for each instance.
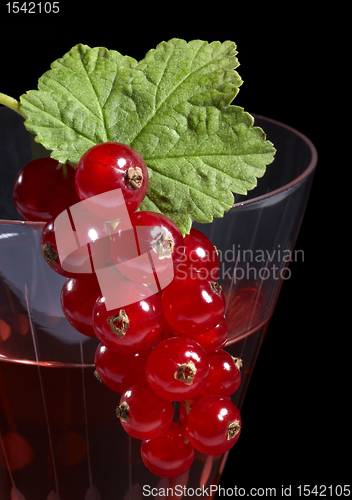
(156, 109)
(102, 116)
(73, 97)
(60, 122)
(187, 186)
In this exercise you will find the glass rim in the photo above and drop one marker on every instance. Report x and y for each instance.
(285, 187)
(297, 180)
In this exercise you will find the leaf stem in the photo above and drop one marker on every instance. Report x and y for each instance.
(11, 103)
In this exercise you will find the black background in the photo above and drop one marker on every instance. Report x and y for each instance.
(296, 413)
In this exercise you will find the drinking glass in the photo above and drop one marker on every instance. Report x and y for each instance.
(59, 435)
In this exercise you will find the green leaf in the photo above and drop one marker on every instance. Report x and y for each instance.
(79, 102)
(173, 107)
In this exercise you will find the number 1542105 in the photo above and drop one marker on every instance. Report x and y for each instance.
(33, 7)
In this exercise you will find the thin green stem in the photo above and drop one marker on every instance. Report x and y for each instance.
(63, 166)
(11, 103)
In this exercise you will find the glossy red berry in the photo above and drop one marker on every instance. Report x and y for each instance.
(78, 298)
(70, 251)
(224, 374)
(177, 368)
(43, 189)
(50, 250)
(211, 339)
(112, 165)
(193, 306)
(133, 327)
(170, 454)
(154, 238)
(119, 371)
(213, 425)
(144, 414)
(200, 257)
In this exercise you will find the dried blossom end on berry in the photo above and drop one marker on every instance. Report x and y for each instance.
(238, 362)
(50, 254)
(233, 429)
(186, 372)
(122, 412)
(215, 287)
(164, 247)
(134, 177)
(119, 323)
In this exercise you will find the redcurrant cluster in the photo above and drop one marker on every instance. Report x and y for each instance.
(157, 348)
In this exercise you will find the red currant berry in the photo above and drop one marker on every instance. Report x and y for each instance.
(78, 298)
(154, 233)
(58, 239)
(131, 328)
(212, 339)
(200, 257)
(177, 368)
(170, 454)
(144, 414)
(112, 165)
(193, 306)
(119, 371)
(213, 425)
(43, 189)
(224, 374)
